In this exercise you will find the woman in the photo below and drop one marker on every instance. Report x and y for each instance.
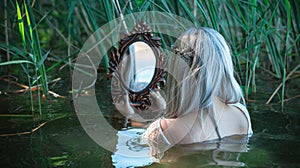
(204, 101)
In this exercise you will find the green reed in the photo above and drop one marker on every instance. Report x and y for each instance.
(263, 35)
(31, 58)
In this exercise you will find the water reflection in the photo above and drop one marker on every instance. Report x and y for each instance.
(132, 151)
(225, 152)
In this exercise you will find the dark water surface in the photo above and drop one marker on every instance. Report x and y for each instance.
(62, 142)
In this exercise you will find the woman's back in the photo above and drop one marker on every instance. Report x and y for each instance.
(228, 120)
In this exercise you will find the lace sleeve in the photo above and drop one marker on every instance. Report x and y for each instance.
(156, 139)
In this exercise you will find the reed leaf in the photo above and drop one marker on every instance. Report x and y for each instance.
(263, 35)
(15, 62)
(21, 23)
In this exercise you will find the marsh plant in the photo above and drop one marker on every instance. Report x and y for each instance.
(263, 35)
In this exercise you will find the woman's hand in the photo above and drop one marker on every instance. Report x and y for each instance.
(126, 109)
(158, 103)
(124, 106)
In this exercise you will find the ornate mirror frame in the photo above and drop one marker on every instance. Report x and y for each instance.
(141, 99)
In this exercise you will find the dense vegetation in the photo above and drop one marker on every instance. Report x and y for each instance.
(38, 37)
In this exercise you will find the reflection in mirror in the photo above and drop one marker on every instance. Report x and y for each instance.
(142, 66)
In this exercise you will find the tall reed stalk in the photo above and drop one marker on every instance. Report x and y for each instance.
(32, 57)
(263, 35)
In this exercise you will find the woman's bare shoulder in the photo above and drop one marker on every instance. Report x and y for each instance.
(238, 117)
(166, 122)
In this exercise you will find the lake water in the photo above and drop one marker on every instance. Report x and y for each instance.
(62, 142)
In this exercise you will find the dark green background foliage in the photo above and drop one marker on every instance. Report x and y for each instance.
(263, 35)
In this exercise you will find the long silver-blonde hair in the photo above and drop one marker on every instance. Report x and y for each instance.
(200, 69)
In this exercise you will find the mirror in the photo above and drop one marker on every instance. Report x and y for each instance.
(138, 65)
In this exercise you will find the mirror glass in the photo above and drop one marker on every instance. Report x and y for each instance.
(138, 66)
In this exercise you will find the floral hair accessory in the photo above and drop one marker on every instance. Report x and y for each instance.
(186, 54)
